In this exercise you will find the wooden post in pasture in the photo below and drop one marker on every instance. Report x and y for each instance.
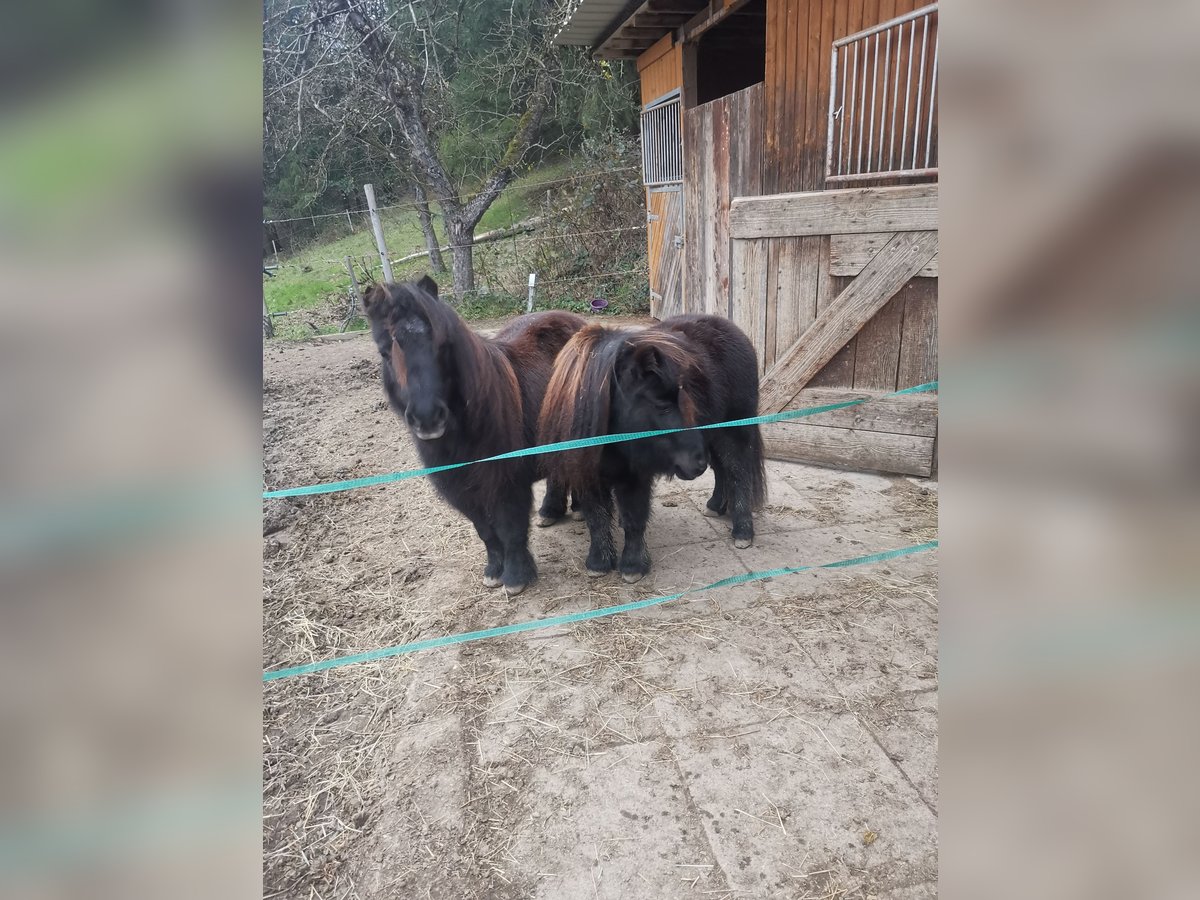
(355, 296)
(377, 227)
(349, 221)
(532, 284)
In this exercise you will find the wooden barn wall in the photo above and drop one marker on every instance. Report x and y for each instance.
(723, 143)
(661, 69)
(800, 35)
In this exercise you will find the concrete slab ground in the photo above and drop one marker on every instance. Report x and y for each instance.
(774, 739)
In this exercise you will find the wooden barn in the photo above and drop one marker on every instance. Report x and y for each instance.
(790, 159)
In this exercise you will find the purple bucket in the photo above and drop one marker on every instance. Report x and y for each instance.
(599, 303)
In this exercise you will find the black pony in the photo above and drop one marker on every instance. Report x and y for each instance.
(465, 397)
(685, 371)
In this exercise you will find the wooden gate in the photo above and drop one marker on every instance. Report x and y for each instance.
(664, 225)
(858, 307)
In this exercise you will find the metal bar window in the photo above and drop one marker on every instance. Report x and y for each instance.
(900, 54)
(662, 153)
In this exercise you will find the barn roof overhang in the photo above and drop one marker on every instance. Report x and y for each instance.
(623, 29)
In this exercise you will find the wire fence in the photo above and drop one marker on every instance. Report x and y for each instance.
(582, 237)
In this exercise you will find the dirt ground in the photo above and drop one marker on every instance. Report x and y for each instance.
(774, 739)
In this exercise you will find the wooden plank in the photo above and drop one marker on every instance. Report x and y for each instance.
(811, 120)
(693, 211)
(849, 253)
(792, 122)
(771, 301)
(823, 34)
(907, 414)
(839, 371)
(720, 166)
(671, 274)
(918, 338)
(891, 268)
(794, 273)
(879, 347)
(752, 181)
(774, 52)
(853, 211)
(687, 57)
(706, 213)
(748, 293)
(654, 226)
(848, 448)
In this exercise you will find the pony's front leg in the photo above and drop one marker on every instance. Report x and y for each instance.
(633, 501)
(597, 508)
(494, 569)
(511, 520)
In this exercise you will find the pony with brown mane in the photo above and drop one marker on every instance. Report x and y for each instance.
(685, 371)
(465, 397)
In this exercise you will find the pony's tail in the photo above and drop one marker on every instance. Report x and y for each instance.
(576, 406)
(758, 468)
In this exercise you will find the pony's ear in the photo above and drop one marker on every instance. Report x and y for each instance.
(643, 361)
(428, 285)
(373, 299)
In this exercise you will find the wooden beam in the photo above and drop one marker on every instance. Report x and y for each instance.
(669, 6)
(659, 20)
(706, 19)
(855, 211)
(847, 448)
(907, 414)
(850, 253)
(649, 36)
(687, 93)
(903, 256)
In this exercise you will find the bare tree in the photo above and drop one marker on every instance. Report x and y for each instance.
(330, 55)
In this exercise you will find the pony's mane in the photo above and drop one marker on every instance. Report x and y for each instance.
(579, 397)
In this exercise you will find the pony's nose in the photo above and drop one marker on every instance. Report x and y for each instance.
(692, 465)
(428, 424)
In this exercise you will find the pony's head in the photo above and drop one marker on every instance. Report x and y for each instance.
(409, 324)
(650, 393)
(610, 382)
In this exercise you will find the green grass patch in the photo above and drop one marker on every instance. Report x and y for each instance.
(312, 286)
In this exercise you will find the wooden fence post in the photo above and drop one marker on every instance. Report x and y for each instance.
(377, 227)
(355, 298)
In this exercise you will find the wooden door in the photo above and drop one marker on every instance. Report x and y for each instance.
(859, 320)
(665, 229)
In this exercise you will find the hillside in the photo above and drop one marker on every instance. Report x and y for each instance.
(590, 243)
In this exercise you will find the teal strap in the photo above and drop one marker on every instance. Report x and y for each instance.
(584, 616)
(372, 480)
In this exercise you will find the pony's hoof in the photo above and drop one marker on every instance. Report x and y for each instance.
(592, 573)
(576, 515)
(743, 543)
(710, 512)
(632, 577)
(492, 581)
(544, 521)
(514, 589)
